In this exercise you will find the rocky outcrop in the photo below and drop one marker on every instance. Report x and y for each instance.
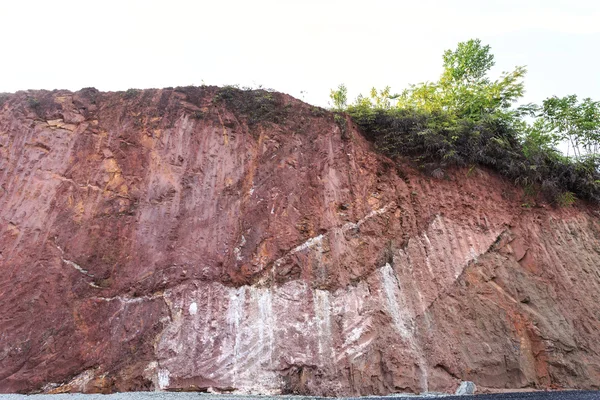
(210, 239)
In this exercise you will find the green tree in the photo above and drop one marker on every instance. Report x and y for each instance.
(466, 118)
(573, 122)
(339, 97)
(470, 62)
(537, 140)
(464, 90)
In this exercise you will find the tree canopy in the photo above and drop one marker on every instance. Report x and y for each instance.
(465, 89)
(467, 117)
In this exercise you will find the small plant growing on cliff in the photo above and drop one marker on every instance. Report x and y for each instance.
(258, 106)
(33, 103)
(339, 97)
(226, 93)
(566, 199)
(131, 93)
(340, 120)
(317, 111)
(198, 115)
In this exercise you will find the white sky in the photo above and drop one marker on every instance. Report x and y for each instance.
(292, 46)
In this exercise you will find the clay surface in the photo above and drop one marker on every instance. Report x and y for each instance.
(173, 240)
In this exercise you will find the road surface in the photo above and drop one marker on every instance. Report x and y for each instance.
(558, 395)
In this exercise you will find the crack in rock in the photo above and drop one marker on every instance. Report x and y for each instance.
(77, 267)
(314, 241)
(73, 264)
(129, 299)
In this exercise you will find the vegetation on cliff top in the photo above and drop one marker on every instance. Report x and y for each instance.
(466, 118)
(258, 105)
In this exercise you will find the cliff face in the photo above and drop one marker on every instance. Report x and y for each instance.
(207, 238)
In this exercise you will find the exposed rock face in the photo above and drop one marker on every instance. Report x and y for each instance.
(466, 388)
(203, 238)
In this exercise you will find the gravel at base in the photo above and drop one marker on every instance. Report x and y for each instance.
(558, 395)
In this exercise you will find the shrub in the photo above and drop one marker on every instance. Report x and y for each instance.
(566, 199)
(339, 97)
(466, 118)
(257, 106)
(430, 141)
(198, 115)
(131, 93)
(33, 103)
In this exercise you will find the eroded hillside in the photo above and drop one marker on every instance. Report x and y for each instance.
(196, 238)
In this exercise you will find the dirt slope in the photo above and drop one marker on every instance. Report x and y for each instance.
(243, 241)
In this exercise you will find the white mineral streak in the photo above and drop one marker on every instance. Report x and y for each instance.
(402, 317)
(238, 250)
(427, 246)
(235, 314)
(72, 264)
(310, 243)
(77, 267)
(131, 300)
(355, 225)
(244, 337)
(79, 383)
(317, 240)
(395, 303)
(163, 379)
(265, 323)
(322, 310)
(443, 251)
(353, 307)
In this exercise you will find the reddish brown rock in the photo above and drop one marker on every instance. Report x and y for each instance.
(204, 238)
